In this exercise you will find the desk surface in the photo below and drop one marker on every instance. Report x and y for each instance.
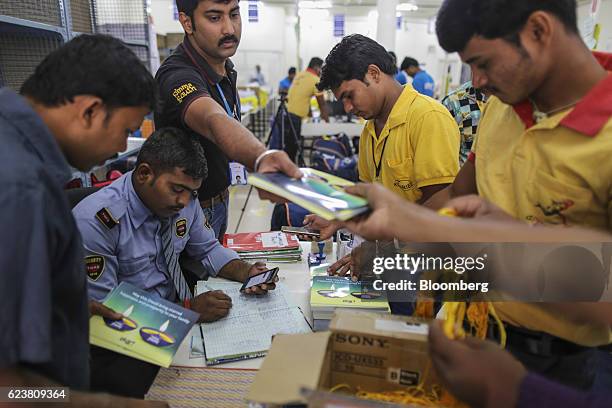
(296, 278)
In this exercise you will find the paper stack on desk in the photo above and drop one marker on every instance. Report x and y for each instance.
(273, 246)
(329, 293)
(252, 321)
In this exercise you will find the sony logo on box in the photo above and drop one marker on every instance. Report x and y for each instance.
(361, 340)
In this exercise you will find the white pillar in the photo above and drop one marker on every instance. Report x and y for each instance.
(387, 23)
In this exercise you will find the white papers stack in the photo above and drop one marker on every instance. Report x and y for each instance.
(252, 321)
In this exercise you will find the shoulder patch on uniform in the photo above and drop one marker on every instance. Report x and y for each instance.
(106, 218)
(94, 266)
(182, 91)
(181, 227)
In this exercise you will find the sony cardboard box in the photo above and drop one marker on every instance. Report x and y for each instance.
(366, 351)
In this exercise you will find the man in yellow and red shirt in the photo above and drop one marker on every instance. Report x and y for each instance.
(542, 151)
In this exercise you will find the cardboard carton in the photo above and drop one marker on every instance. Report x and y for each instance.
(364, 350)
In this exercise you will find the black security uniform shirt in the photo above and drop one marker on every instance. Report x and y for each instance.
(184, 77)
(44, 318)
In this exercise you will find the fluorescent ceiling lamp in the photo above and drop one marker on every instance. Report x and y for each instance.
(308, 4)
(407, 7)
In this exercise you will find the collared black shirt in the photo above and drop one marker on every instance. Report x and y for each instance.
(184, 77)
(44, 317)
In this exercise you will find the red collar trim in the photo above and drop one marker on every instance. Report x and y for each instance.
(593, 111)
(591, 114)
(524, 110)
(604, 58)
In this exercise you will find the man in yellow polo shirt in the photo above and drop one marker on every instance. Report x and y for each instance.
(410, 142)
(542, 152)
(303, 88)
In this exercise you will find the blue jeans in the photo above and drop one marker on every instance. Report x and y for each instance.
(216, 216)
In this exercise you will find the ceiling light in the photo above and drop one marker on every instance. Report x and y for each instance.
(407, 7)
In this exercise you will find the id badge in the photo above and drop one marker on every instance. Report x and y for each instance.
(238, 174)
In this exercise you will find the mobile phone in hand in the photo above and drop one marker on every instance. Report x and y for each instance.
(268, 276)
(301, 231)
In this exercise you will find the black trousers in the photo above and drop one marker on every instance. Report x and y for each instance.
(290, 142)
(120, 375)
(570, 364)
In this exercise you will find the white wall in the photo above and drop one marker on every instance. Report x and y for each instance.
(604, 18)
(412, 39)
(262, 43)
(163, 16)
(415, 39)
(272, 42)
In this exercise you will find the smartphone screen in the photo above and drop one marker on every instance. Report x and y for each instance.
(300, 230)
(259, 279)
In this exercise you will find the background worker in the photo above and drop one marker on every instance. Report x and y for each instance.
(303, 88)
(422, 82)
(285, 84)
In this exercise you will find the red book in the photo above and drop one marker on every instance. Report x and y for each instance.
(261, 241)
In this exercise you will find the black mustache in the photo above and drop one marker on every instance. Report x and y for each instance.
(229, 38)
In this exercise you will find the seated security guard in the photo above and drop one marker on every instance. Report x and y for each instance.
(134, 230)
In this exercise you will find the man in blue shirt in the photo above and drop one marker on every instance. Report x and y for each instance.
(400, 76)
(422, 82)
(134, 230)
(285, 84)
(63, 119)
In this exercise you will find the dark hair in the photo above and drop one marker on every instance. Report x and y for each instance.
(97, 65)
(292, 70)
(315, 62)
(169, 148)
(188, 6)
(350, 59)
(409, 62)
(393, 56)
(460, 20)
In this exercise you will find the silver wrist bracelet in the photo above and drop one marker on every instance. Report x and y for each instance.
(261, 156)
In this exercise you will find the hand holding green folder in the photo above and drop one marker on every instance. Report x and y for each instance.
(151, 328)
(319, 192)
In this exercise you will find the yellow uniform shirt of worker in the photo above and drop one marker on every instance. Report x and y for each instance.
(556, 171)
(303, 88)
(418, 147)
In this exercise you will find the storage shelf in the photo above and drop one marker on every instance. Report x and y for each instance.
(14, 25)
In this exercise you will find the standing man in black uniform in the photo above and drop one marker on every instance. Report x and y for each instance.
(198, 94)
